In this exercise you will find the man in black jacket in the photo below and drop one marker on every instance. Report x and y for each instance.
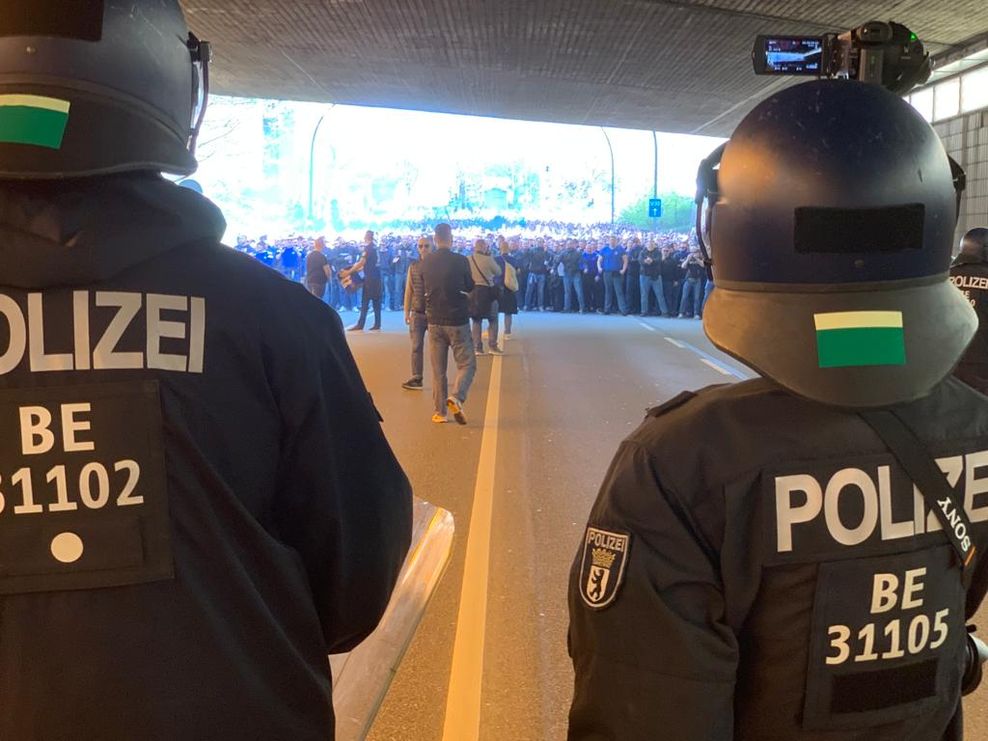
(198, 501)
(672, 278)
(448, 283)
(760, 562)
(969, 272)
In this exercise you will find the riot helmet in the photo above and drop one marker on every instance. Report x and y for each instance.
(831, 223)
(90, 87)
(973, 246)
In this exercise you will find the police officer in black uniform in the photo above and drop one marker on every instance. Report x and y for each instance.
(969, 273)
(185, 529)
(757, 564)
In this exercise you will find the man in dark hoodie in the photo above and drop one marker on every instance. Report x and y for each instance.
(198, 503)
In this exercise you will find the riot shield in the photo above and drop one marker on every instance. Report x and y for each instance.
(361, 678)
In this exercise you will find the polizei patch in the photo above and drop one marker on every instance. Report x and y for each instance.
(602, 569)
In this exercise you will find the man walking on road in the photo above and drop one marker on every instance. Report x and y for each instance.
(414, 304)
(448, 282)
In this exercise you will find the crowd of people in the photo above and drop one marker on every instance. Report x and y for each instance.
(561, 268)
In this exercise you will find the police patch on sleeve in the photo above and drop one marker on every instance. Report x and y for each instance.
(605, 555)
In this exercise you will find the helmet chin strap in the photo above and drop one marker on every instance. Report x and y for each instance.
(201, 53)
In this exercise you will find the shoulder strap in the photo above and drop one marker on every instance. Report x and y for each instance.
(473, 259)
(926, 474)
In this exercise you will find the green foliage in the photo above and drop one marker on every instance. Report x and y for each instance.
(677, 214)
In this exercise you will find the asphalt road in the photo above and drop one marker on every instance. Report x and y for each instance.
(571, 388)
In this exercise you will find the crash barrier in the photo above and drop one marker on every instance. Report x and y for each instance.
(361, 678)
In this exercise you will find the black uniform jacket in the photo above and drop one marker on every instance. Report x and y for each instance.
(970, 275)
(448, 283)
(752, 570)
(198, 503)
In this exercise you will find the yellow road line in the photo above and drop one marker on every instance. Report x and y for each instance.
(463, 697)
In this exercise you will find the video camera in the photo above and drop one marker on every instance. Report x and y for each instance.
(886, 54)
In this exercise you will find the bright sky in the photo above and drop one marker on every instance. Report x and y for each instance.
(383, 136)
(357, 145)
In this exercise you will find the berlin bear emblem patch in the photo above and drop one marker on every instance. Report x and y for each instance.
(602, 569)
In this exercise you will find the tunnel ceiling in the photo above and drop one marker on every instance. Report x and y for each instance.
(670, 65)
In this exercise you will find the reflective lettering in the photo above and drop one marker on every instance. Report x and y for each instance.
(883, 593)
(911, 587)
(36, 336)
(158, 329)
(788, 515)
(36, 437)
(17, 344)
(71, 425)
(80, 328)
(104, 356)
(840, 482)
(197, 334)
(890, 529)
(975, 486)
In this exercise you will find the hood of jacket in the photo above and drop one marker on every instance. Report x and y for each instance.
(79, 232)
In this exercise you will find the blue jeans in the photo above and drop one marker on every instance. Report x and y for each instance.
(416, 330)
(614, 284)
(653, 285)
(573, 284)
(334, 293)
(441, 339)
(477, 329)
(398, 291)
(692, 291)
(386, 295)
(536, 285)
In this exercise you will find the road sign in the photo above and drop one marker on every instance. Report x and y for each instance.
(654, 208)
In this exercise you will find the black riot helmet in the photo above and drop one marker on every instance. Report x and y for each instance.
(831, 224)
(974, 246)
(89, 87)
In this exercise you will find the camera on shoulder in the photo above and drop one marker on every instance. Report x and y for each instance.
(886, 54)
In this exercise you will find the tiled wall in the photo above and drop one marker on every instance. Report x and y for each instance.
(966, 140)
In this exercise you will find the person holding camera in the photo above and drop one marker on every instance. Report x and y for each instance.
(694, 280)
(537, 264)
(796, 556)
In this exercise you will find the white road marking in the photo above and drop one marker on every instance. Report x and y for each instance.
(714, 362)
(717, 367)
(649, 327)
(675, 342)
(463, 697)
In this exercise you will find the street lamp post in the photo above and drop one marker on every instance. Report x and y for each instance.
(655, 176)
(312, 159)
(611, 149)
